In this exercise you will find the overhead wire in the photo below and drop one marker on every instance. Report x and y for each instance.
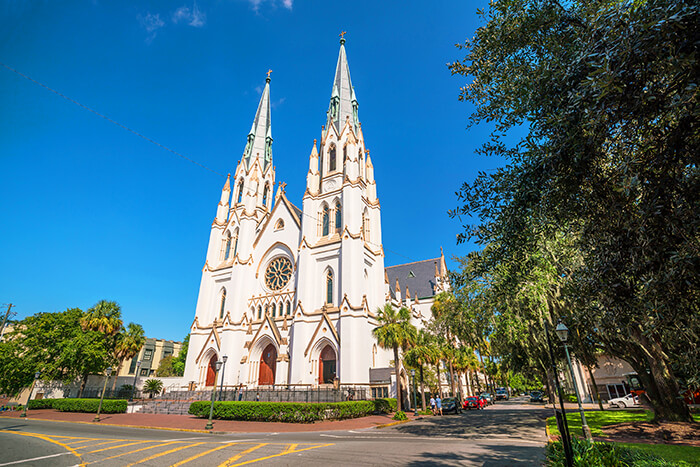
(162, 146)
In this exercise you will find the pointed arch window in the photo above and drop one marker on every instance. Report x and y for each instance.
(223, 304)
(227, 246)
(360, 157)
(331, 160)
(338, 217)
(289, 308)
(235, 243)
(329, 287)
(259, 311)
(325, 225)
(240, 191)
(365, 226)
(274, 310)
(345, 154)
(266, 191)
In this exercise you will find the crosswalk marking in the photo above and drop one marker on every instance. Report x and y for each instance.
(132, 452)
(197, 456)
(284, 453)
(154, 456)
(228, 462)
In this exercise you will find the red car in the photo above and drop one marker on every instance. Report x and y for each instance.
(474, 402)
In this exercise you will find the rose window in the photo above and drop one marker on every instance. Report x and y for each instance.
(278, 273)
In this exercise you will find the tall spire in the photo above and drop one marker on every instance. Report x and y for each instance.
(343, 103)
(259, 142)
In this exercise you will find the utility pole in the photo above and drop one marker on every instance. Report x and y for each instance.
(4, 321)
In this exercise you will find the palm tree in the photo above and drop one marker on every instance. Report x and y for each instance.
(152, 386)
(419, 355)
(395, 331)
(105, 317)
(128, 345)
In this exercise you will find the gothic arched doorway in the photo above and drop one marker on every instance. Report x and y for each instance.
(268, 363)
(326, 365)
(211, 371)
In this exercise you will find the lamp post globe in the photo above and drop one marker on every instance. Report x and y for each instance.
(562, 331)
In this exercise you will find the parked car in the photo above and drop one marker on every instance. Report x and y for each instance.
(502, 394)
(488, 397)
(450, 404)
(629, 400)
(474, 402)
(536, 396)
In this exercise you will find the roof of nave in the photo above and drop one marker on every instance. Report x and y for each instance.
(418, 276)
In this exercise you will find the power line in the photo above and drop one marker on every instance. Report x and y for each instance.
(29, 78)
(110, 120)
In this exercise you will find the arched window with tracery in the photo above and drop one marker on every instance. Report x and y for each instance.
(331, 159)
(329, 287)
(274, 310)
(259, 312)
(325, 221)
(338, 217)
(223, 304)
(289, 308)
(240, 191)
(266, 191)
(227, 246)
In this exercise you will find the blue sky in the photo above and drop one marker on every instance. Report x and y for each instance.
(91, 211)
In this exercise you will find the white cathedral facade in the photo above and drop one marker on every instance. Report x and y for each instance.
(289, 296)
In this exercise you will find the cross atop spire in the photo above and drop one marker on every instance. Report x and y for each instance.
(343, 103)
(259, 143)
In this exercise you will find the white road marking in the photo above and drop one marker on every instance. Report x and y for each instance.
(182, 439)
(238, 440)
(35, 459)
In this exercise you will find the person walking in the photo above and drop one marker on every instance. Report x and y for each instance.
(240, 393)
(432, 405)
(438, 404)
(257, 397)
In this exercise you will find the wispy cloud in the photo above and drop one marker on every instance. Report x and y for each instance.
(194, 16)
(278, 102)
(151, 23)
(255, 4)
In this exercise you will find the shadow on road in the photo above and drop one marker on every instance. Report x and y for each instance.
(496, 456)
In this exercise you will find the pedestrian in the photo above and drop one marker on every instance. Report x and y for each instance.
(438, 405)
(432, 404)
(240, 393)
(257, 397)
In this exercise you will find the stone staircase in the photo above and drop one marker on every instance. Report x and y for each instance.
(164, 406)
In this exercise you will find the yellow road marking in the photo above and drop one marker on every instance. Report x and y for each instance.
(131, 452)
(290, 447)
(228, 462)
(202, 454)
(165, 453)
(46, 438)
(74, 442)
(284, 453)
(87, 446)
(120, 446)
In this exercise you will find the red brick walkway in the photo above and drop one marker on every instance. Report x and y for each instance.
(187, 422)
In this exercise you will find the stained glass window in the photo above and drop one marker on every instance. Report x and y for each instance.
(278, 273)
(329, 287)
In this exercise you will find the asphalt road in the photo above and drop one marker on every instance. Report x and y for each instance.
(508, 433)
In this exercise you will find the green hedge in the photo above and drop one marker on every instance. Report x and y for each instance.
(293, 412)
(40, 404)
(387, 405)
(90, 405)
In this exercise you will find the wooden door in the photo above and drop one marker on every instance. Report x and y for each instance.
(326, 366)
(268, 364)
(211, 371)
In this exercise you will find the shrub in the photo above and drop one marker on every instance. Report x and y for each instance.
(40, 404)
(387, 405)
(292, 412)
(90, 405)
(399, 415)
(571, 398)
(602, 454)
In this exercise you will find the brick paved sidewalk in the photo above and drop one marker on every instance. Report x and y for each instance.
(187, 422)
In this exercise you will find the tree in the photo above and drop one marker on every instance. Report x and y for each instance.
(181, 359)
(605, 94)
(421, 353)
(152, 386)
(395, 331)
(53, 344)
(166, 367)
(105, 317)
(128, 345)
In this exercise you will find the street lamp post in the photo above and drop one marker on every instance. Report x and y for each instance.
(415, 403)
(31, 389)
(562, 422)
(99, 407)
(563, 333)
(223, 370)
(210, 425)
(133, 386)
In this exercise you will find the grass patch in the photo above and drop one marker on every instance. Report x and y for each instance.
(597, 419)
(669, 452)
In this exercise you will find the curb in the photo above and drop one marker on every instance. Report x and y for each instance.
(392, 424)
(188, 430)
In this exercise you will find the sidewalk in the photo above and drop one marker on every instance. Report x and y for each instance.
(190, 423)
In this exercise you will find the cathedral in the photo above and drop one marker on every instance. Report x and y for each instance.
(288, 296)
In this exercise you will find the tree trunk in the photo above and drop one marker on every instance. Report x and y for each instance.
(422, 388)
(478, 383)
(397, 369)
(82, 385)
(452, 379)
(595, 387)
(666, 400)
(116, 376)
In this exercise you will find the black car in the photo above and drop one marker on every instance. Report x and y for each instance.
(450, 404)
(536, 396)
